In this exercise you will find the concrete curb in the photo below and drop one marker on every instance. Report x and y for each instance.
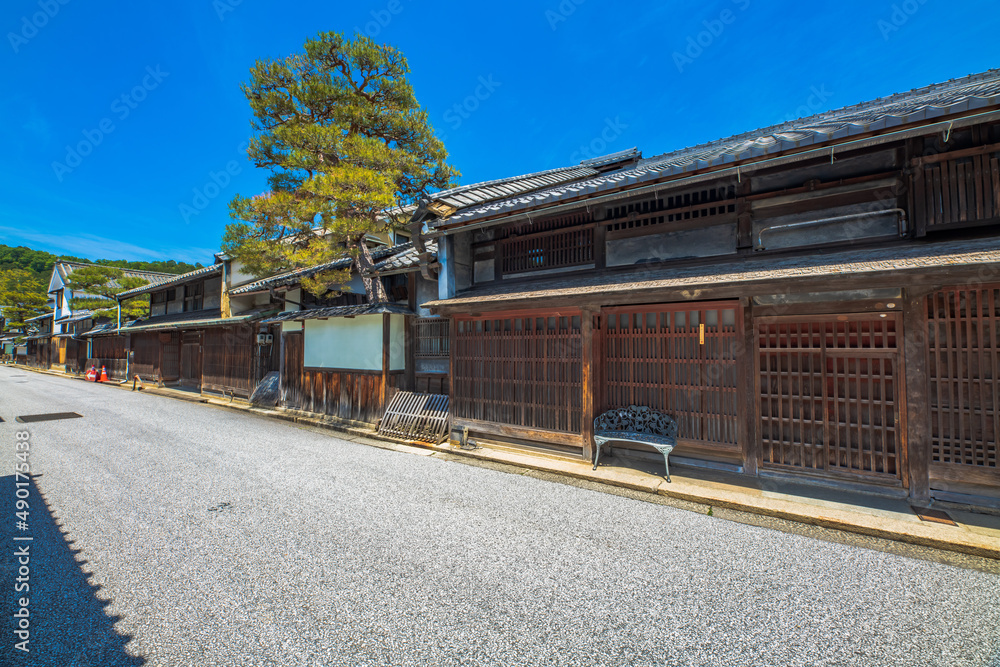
(925, 535)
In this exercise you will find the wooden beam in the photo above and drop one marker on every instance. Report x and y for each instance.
(386, 340)
(409, 332)
(588, 385)
(519, 432)
(916, 404)
(749, 378)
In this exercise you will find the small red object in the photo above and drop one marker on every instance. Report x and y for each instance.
(92, 374)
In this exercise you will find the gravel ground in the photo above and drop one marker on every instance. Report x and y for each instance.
(176, 534)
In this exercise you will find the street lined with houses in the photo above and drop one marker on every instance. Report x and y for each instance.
(220, 538)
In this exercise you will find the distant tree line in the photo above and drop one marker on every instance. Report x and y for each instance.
(24, 279)
(40, 262)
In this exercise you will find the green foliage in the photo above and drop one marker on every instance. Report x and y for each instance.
(22, 296)
(97, 286)
(40, 262)
(345, 141)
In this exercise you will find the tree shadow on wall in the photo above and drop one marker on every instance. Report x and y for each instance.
(68, 623)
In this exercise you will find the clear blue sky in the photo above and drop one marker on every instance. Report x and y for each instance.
(538, 85)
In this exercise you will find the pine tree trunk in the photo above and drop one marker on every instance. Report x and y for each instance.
(366, 269)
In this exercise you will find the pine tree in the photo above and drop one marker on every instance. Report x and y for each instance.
(22, 296)
(347, 146)
(96, 287)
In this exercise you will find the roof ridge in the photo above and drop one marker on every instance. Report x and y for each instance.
(830, 114)
(121, 268)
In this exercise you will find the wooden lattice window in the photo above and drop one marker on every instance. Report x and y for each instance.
(950, 190)
(963, 344)
(709, 205)
(432, 337)
(547, 250)
(829, 393)
(194, 297)
(519, 369)
(679, 359)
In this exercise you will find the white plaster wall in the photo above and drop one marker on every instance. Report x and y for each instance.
(344, 343)
(293, 295)
(397, 342)
(237, 275)
(353, 343)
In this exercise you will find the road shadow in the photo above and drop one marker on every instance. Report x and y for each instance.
(69, 625)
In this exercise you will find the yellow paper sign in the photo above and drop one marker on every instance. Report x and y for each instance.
(701, 334)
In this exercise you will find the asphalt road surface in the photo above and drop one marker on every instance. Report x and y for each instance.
(173, 533)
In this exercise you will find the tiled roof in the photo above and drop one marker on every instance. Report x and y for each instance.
(292, 277)
(36, 318)
(77, 316)
(406, 260)
(204, 321)
(203, 272)
(486, 191)
(976, 91)
(915, 256)
(341, 311)
(66, 269)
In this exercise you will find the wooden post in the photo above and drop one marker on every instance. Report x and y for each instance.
(747, 374)
(587, 351)
(916, 406)
(600, 245)
(410, 370)
(386, 341)
(452, 349)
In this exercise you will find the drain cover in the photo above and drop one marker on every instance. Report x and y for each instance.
(52, 416)
(934, 516)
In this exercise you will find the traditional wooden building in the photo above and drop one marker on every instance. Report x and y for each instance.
(197, 335)
(67, 347)
(817, 300)
(344, 357)
(37, 344)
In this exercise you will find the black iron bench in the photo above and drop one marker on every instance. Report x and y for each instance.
(636, 424)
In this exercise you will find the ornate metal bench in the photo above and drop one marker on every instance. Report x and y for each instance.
(636, 424)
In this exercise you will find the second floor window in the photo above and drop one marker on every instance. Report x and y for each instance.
(194, 297)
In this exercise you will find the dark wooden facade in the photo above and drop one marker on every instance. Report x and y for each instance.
(110, 352)
(891, 385)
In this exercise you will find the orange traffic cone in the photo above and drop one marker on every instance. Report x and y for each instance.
(104, 374)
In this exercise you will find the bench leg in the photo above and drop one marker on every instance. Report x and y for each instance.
(597, 453)
(666, 460)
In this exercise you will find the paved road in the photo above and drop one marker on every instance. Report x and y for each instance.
(183, 534)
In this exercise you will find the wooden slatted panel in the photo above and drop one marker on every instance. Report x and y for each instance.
(109, 347)
(354, 395)
(963, 345)
(413, 416)
(664, 358)
(291, 378)
(829, 394)
(228, 360)
(432, 337)
(955, 192)
(547, 250)
(146, 358)
(520, 370)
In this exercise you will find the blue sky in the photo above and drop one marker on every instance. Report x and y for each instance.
(149, 93)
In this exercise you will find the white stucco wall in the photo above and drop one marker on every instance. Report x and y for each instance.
(353, 343)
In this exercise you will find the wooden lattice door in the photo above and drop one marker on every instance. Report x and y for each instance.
(679, 358)
(963, 343)
(829, 394)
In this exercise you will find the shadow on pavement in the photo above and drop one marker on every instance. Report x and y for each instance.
(68, 623)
